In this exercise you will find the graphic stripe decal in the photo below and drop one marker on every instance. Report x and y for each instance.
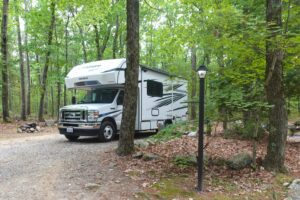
(105, 114)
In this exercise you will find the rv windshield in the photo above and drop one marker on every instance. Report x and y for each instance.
(100, 96)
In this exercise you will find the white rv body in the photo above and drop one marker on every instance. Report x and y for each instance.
(160, 100)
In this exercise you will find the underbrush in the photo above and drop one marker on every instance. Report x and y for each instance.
(172, 131)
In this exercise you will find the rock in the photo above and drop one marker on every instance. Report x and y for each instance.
(138, 155)
(240, 161)
(38, 128)
(150, 156)
(193, 134)
(91, 186)
(142, 144)
(185, 161)
(151, 142)
(32, 129)
(50, 122)
(294, 190)
(286, 184)
(19, 130)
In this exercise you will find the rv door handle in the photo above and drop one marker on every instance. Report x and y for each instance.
(113, 108)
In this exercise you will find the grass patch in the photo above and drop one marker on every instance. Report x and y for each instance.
(175, 187)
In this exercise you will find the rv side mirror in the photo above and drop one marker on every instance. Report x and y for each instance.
(73, 100)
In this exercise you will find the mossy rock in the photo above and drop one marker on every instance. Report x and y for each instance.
(240, 161)
(185, 161)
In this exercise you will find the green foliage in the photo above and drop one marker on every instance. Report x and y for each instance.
(247, 131)
(170, 132)
(185, 161)
(229, 37)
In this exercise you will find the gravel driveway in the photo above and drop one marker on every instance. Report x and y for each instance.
(50, 167)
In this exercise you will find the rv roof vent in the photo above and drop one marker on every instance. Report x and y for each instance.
(87, 83)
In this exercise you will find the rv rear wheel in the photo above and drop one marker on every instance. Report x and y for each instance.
(107, 131)
(72, 138)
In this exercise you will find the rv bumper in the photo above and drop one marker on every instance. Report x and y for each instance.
(80, 130)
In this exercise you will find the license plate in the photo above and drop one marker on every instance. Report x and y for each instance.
(69, 130)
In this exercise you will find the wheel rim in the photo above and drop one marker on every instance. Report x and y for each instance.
(108, 132)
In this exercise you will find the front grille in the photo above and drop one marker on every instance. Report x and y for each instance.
(73, 115)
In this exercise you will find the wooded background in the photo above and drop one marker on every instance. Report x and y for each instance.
(46, 38)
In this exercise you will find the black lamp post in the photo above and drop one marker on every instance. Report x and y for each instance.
(201, 72)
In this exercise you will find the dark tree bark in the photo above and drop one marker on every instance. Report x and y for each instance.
(126, 145)
(193, 83)
(5, 104)
(47, 60)
(97, 41)
(58, 81)
(115, 41)
(101, 48)
(274, 159)
(28, 93)
(82, 43)
(21, 60)
(66, 57)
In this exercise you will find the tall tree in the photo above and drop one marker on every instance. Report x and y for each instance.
(193, 82)
(28, 93)
(47, 60)
(5, 109)
(126, 144)
(116, 35)
(274, 159)
(21, 61)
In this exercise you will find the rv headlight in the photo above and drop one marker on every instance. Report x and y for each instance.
(60, 115)
(93, 115)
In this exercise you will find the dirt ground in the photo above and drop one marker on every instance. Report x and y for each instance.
(46, 166)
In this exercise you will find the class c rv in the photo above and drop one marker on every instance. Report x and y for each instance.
(160, 100)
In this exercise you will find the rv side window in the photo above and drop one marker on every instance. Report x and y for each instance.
(154, 88)
(120, 98)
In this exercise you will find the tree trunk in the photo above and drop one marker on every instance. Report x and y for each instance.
(97, 41)
(126, 144)
(105, 41)
(47, 59)
(83, 44)
(115, 42)
(52, 101)
(66, 57)
(58, 82)
(193, 83)
(21, 60)
(274, 159)
(5, 106)
(28, 94)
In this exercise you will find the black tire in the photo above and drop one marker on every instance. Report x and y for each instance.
(72, 138)
(107, 131)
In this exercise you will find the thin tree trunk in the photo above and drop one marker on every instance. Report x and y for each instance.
(126, 145)
(193, 83)
(47, 59)
(21, 60)
(58, 82)
(115, 42)
(274, 159)
(105, 41)
(83, 44)
(66, 57)
(28, 93)
(121, 46)
(4, 51)
(97, 41)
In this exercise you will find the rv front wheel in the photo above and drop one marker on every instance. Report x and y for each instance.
(107, 131)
